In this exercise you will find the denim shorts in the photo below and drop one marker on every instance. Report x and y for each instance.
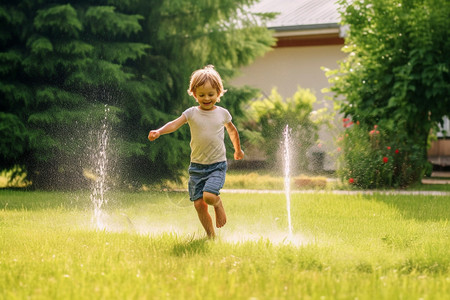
(206, 178)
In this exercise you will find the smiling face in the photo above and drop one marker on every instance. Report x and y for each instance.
(206, 96)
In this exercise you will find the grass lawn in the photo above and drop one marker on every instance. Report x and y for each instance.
(344, 247)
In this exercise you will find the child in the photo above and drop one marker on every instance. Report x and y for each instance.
(208, 160)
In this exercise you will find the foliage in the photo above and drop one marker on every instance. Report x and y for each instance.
(62, 62)
(268, 117)
(373, 159)
(396, 73)
(57, 78)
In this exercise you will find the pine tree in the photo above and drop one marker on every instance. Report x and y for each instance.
(61, 63)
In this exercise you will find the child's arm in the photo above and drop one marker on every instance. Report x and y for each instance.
(234, 136)
(168, 128)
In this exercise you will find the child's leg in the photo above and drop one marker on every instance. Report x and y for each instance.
(204, 216)
(214, 200)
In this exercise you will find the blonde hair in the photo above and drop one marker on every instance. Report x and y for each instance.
(202, 76)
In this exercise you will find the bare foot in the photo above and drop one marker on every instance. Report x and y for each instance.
(221, 217)
(205, 218)
(210, 235)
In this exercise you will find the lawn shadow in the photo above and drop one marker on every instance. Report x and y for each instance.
(427, 208)
(191, 247)
(22, 199)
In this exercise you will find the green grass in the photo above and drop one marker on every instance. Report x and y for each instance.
(344, 247)
(430, 187)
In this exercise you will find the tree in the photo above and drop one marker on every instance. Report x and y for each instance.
(396, 75)
(61, 63)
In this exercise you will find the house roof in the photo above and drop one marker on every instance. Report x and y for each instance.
(300, 14)
(303, 22)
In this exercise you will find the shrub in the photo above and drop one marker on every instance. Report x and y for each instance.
(267, 118)
(376, 158)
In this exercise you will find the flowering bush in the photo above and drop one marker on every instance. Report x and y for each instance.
(374, 158)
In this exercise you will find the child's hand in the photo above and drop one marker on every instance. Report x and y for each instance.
(153, 135)
(238, 155)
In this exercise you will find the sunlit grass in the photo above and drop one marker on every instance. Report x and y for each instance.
(264, 181)
(344, 247)
(271, 181)
(9, 178)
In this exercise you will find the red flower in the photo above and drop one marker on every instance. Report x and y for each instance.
(351, 180)
(347, 122)
(385, 159)
(396, 151)
(388, 147)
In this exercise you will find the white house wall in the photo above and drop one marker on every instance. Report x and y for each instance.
(290, 67)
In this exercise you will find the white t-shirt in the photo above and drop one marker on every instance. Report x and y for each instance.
(207, 134)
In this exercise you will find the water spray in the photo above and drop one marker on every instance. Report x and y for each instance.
(100, 159)
(287, 175)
